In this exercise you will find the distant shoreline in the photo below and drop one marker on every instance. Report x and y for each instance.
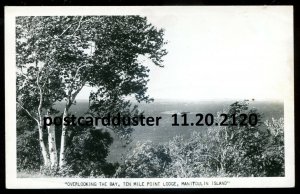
(200, 100)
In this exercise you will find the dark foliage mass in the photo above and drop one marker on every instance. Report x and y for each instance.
(87, 151)
(27, 146)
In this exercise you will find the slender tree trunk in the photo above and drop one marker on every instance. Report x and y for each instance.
(71, 98)
(43, 148)
(52, 147)
(41, 140)
(62, 161)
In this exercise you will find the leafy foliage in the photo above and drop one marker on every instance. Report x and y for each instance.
(57, 56)
(146, 160)
(274, 151)
(240, 147)
(86, 153)
(27, 147)
(219, 151)
(67, 53)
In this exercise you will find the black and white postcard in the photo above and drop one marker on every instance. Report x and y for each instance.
(149, 97)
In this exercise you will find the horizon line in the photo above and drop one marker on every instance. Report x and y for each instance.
(204, 99)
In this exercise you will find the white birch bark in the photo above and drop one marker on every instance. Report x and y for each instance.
(43, 148)
(52, 147)
(62, 153)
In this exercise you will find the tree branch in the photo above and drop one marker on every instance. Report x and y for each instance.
(41, 94)
(77, 71)
(78, 25)
(24, 82)
(28, 113)
(73, 96)
(76, 92)
(66, 29)
(80, 22)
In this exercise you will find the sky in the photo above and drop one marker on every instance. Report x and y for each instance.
(222, 53)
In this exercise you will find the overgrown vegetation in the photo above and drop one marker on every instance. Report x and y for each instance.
(217, 152)
(87, 149)
(220, 151)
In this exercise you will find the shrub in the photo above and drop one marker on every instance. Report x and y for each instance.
(27, 147)
(86, 153)
(239, 148)
(219, 151)
(274, 151)
(146, 160)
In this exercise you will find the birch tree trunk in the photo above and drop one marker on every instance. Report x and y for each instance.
(41, 134)
(52, 147)
(62, 161)
(71, 98)
(43, 147)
